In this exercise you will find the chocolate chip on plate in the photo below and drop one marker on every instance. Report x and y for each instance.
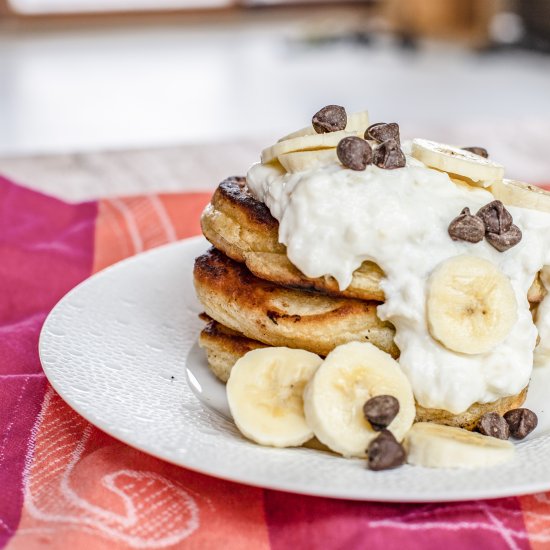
(381, 410)
(494, 425)
(330, 119)
(385, 452)
(506, 240)
(354, 152)
(481, 151)
(388, 155)
(495, 217)
(382, 131)
(521, 422)
(467, 227)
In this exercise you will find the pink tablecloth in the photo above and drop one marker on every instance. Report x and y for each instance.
(65, 484)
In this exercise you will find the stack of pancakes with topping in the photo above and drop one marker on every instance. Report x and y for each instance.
(254, 297)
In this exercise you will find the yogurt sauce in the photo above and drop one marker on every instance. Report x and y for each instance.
(332, 219)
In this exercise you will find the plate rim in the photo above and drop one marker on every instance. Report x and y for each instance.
(514, 490)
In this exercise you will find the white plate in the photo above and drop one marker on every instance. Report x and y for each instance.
(115, 349)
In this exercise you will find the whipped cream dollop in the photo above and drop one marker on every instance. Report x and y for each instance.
(542, 351)
(331, 219)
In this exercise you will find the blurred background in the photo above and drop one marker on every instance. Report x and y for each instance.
(179, 91)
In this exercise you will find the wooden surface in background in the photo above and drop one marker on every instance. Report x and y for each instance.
(86, 176)
(91, 175)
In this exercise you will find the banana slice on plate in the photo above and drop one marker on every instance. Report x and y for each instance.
(437, 446)
(305, 143)
(471, 305)
(264, 392)
(357, 122)
(518, 193)
(454, 160)
(333, 400)
(304, 160)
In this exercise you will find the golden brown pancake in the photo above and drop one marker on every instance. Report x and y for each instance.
(281, 316)
(225, 346)
(244, 229)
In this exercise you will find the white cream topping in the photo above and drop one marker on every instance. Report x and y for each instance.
(542, 351)
(332, 219)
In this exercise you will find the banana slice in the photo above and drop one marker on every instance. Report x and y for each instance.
(518, 193)
(457, 161)
(264, 391)
(305, 143)
(437, 446)
(357, 122)
(304, 160)
(334, 398)
(471, 305)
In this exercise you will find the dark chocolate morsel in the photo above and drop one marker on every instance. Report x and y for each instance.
(506, 240)
(467, 227)
(382, 131)
(354, 152)
(330, 119)
(481, 151)
(521, 422)
(388, 155)
(381, 410)
(495, 217)
(494, 425)
(385, 452)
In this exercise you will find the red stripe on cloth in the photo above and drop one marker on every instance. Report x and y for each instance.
(308, 522)
(46, 248)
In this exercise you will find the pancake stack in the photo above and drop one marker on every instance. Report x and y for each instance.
(253, 297)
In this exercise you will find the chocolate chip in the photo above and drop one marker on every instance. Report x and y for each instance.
(501, 233)
(381, 410)
(481, 151)
(521, 422)
(495, 217)
(354, 153)
(494, 425)
(330, 119)
(382, 131)
(467, 227)
(506, 240)
(385, 452)
(388, 155)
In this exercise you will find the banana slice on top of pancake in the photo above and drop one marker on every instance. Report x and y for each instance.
(307, 143)
(519, 193)
(471, 305)
(305, 160)
(453, 160)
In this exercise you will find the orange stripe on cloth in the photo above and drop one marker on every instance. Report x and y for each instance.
(127, 226)
(84, 489)
(536, 516)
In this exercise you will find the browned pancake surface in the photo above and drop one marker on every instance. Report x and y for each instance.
(243, 229)
(281, 316)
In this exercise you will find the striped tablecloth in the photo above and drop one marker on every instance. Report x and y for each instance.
(65, 484)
